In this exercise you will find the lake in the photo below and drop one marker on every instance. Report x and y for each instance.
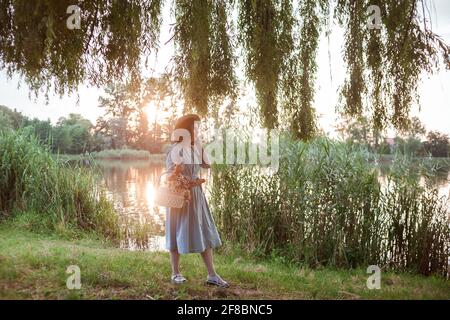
(131, 187)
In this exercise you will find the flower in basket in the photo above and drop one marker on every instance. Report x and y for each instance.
(180, 184)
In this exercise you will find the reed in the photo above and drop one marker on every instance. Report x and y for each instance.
(325, 206)
(63, 198)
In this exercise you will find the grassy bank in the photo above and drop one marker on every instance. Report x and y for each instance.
(33, 266)
(115, 155)
(128, 154)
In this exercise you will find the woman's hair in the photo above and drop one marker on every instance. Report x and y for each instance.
(185, 122)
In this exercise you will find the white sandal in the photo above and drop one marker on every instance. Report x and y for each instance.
(217, 281)
(177, 278)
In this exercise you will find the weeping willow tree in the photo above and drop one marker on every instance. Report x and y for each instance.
(277, 41)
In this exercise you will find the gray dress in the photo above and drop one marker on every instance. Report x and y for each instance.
(190, 229)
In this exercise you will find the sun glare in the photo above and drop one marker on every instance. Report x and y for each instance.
(150, 194)
(152, 111)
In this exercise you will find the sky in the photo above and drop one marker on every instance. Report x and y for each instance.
(434, 90)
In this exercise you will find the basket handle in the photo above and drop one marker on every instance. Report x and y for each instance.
(160, 176)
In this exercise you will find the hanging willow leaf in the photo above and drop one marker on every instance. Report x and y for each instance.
(354, 87)
(222, 77)
(193, 60)
(313, 17)
(376, 52)
(282, 61)
(394, 57)
(36, 43)
(204, 59)
(258, 25)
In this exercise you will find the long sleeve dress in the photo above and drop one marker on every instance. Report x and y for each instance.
(190, 229)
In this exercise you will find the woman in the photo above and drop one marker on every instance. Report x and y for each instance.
(190, 229)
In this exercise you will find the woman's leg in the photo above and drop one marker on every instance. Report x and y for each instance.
(175, 261)
(207, 256)
(213, 277)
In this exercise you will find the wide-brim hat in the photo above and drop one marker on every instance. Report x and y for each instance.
(184, 121)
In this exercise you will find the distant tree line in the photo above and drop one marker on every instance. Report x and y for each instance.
(77, 135)
(413, 141)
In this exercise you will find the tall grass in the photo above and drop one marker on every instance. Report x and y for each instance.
(325, 206)
(63, 198)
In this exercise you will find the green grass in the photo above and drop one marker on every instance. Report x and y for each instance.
(33, 266)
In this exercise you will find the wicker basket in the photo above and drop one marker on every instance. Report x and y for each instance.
(166, 197)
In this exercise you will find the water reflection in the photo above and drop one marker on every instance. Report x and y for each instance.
(131, 187)
(438, 174)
